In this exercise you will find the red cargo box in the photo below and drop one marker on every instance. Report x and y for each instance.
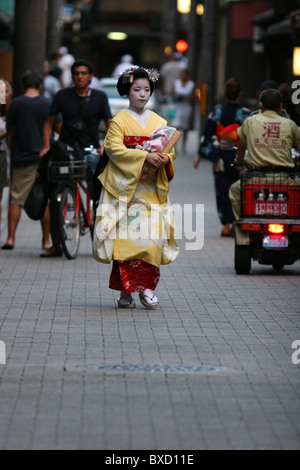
(271, 200)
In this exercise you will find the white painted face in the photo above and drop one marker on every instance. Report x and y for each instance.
(139, 93)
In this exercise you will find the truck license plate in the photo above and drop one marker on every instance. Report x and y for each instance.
(273, 241)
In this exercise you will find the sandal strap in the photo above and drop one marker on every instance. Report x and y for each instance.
(151, 298)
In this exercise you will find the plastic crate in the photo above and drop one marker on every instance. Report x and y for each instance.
(267, 197)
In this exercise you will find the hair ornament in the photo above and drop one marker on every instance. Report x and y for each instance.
(153, 75)
(128, 74)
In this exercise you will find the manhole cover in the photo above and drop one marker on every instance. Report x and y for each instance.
(165, 368)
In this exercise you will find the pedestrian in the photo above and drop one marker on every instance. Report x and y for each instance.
(218, 145)
(65, 62)
(126, 62)
(55, 70)
(25, 120)
(183, 91)
(134, 202)
(287, 102)
(169, 72)
(269, 139)
(82, 109)
(6, 90)
(268, 85)
(51, 85)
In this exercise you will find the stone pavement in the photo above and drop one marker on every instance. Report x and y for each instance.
(60, 324)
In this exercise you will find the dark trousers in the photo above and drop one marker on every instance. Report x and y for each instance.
(223, 181)
(54, 213)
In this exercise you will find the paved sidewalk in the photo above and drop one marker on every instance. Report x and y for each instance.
(60, 324)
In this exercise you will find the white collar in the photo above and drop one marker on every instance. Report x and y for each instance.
(141, 119)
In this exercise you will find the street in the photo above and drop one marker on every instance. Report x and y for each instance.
(213, 368)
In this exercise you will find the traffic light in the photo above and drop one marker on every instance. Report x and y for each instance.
(182, 46)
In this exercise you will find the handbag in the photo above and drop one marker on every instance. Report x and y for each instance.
(37, 199)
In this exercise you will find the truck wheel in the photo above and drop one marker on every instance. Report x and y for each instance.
(242, 259)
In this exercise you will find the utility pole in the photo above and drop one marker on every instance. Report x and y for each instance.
(55, 26)
(170, 27)
(29, 38)
(208, 51)
(191, 39)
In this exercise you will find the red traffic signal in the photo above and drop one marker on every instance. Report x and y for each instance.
(182, 45)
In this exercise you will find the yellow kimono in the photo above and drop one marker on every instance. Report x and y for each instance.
(134, 220)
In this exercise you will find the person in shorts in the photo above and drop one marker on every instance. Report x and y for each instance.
(25, 121)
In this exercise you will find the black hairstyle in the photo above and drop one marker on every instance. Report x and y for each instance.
(271, 99)
(267, 85)
(126, 80)
(32, 79)
(82, 63)
(233, 89)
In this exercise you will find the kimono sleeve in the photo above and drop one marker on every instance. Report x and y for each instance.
(126, 160)
(206, 147)
(125, 166)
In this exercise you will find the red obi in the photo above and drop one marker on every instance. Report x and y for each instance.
(132, 140)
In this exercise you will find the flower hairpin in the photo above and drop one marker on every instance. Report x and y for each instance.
(153, 74)
(128, 74)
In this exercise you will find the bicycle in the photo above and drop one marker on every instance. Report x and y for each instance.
(75, 202)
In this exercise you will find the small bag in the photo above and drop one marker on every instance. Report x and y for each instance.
(37, 200)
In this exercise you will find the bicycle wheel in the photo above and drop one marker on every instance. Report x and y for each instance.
(69, 223)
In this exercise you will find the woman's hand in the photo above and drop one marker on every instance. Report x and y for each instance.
(157, 160)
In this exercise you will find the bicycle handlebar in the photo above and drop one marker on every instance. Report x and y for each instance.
(91, 149)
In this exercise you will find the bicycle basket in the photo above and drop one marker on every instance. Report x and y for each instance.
(73, 171)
